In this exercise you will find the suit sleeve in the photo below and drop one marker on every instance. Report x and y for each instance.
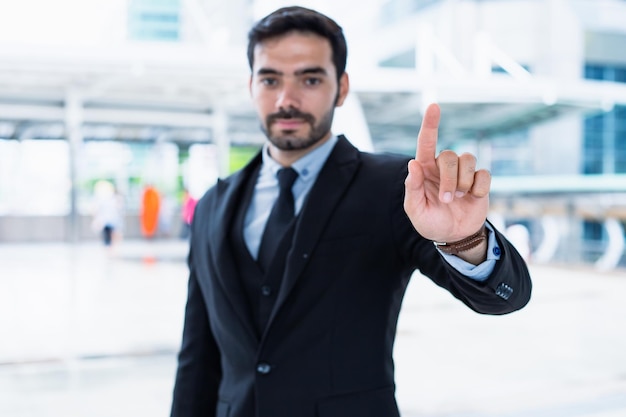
(199, 372)
(506, 289)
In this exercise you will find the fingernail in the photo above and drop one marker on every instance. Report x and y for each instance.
(447, 197)
(459, 194)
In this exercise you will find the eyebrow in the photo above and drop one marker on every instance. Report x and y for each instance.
(311, 70)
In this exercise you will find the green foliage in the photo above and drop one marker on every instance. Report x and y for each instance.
(240, 156)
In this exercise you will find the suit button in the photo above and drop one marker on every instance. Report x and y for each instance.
(266, 290)
(263, 368)
(504, 291)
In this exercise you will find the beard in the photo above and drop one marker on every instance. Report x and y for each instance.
(287, 140)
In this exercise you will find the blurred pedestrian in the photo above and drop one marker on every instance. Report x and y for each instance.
(149, 211)
(108, 215)
(187, 208)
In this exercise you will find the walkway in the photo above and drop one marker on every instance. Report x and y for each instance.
(85, 333)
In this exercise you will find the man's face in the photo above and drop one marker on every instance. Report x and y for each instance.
(295, 90)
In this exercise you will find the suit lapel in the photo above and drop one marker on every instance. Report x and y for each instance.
(330, 186)
(229, 195)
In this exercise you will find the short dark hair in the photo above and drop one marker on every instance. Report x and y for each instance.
(300, 19)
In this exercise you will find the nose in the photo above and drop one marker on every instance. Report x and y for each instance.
(288, 97)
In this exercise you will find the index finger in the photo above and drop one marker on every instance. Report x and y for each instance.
(427, 137)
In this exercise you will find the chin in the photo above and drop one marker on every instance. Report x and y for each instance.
(287, 141)
(287, 144)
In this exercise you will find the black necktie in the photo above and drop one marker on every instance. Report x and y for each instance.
(281, 216)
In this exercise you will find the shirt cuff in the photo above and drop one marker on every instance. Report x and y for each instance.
(481, 271)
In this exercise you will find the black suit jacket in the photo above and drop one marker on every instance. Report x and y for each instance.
(327, 349)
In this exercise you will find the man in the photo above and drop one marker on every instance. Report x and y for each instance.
(308, 330)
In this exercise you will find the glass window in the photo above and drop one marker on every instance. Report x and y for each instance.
(594, 72)
(511, 154)
(154, 20)
(604, 144)
(620, 75)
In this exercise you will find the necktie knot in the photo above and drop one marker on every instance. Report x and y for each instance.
(286, 178)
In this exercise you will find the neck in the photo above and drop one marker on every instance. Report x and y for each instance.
(286, 158)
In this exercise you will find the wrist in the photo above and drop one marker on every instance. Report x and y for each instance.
(464, 245)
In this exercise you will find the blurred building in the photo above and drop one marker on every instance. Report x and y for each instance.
(536, 90)
(156, 90)
(154, 20)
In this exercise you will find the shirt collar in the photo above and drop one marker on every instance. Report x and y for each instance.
(308, 166)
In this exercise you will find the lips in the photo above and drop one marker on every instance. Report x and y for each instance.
(288, 124)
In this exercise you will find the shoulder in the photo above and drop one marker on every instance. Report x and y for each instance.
(377, 161)
(391, 160)
(385, 165)
(226, 189)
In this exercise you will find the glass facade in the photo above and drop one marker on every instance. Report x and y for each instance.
(605, 133)
(154, 20)
(395, 10)
(511, 154)
(604, 147)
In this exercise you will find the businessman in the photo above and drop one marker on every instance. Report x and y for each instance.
(299, 262)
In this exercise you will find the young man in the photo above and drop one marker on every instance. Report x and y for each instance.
(306, 328)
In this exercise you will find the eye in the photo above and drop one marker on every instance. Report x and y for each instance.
(312, 81)
(269, 82)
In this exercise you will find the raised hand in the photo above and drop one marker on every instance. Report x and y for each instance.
(446, 198)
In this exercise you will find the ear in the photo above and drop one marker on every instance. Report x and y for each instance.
(344, 88)
(250, 85)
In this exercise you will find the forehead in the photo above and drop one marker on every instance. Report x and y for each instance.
(292, 51)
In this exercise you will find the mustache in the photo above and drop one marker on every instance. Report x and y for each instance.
(290, 113)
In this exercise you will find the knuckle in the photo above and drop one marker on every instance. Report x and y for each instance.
(468, 162)
(480, 191)
(448, 159)
(468, 157)
(482, 183)
(464, 184)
